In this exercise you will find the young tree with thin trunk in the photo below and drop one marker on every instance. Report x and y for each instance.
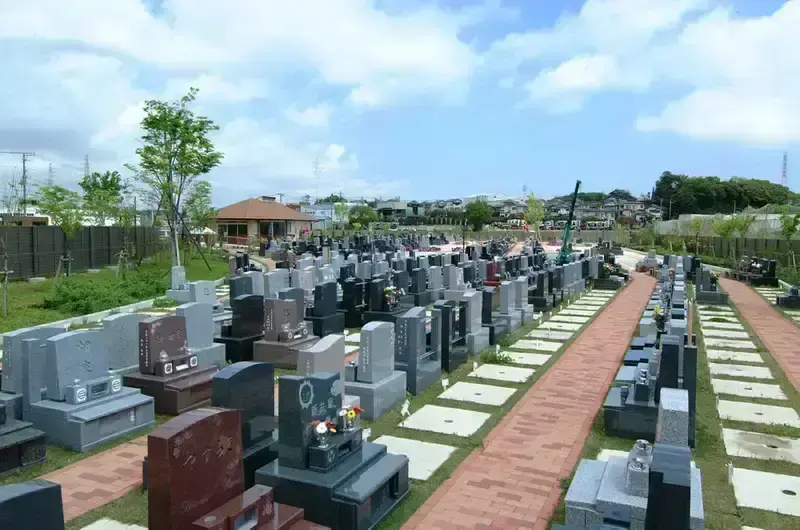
(534, 215)
(65, 209)
(176, 150)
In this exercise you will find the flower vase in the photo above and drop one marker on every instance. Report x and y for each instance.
(349, 425)
(323, 439)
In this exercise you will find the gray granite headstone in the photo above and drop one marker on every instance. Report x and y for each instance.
(74, 355)
(326, 355)
(199, 324)
(177, 278)
(256, 277)
(12, 379)
(673, 417)
(122, 336)
(376, 355)
(204, 291)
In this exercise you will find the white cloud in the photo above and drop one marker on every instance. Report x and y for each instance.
(740, 76)
(316, 116)
(76, 75)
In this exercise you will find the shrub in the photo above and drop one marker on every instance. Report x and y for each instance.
(82, 295)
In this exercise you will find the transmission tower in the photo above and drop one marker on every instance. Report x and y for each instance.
(784, 173)
(24, 180)
(316, 166)
(86, 166)
(50, 175)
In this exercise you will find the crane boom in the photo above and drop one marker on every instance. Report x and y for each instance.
(563, 253)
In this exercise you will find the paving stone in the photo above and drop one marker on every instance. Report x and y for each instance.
(478, 393)
(718, 343)
(353, 338)
(605, 454)
(740, 370)
(761, 446)
(424, 458)
(561, 326)
(110, 524)
(735, 326)
(705, 317)
(530, 359)
(569, 318)
(537, 345)
(747, 389)
(577, 312)
(756, 413)
(550, 334)
(767, 491)
(446, 420)
(350, 348)
(736, 356)
(500, 372)
(725, 334)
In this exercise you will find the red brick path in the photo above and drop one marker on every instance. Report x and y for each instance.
(99, 479)
(514, 481)
(780, 336)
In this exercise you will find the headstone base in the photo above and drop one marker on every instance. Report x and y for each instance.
(634, 420)
(458, 356)
(497, 330)
(788, 301)
(423, 299)
(175, 394)
(428, 372)
(214, 355)
(635, 357)
(83, 427)
(711, 297)
(281, 354)
(541, 303)
(764, 281)
(608, 284)
(512, 320)
(526, 314)
(13, 404)
(258, 456)
(183, 296)
(478, 341)
(324, 326)
(352, 318)
(20, 445)
(378, 398)
(386, 316)
(238, 349)
(356, 494)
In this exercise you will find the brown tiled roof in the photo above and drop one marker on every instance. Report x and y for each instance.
(258, 210)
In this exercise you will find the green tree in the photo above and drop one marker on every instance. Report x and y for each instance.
(176, 150)
(477, 214)
(65, 209)
(362, 214)
(534, 215)
(333, 198)
(102, 196)
(695, 229)
(340, 213)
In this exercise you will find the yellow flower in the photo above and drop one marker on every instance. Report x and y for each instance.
(351, 414)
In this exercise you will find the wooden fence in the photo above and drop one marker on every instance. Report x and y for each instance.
(36, 250)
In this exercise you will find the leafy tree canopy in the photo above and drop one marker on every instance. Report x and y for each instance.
(709, 195)
(362, 215)
(332, 199)
(478, 213)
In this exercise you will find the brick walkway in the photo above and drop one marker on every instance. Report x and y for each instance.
(780, 336)
(99, 479)
(514, 481)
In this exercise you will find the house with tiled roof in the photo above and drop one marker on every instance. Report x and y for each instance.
(261, 217)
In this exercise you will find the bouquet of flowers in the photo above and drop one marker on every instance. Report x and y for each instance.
(671, 273)
(714, 278)
(349, 415)
(391, 294)
(658, 316)
(323, 430)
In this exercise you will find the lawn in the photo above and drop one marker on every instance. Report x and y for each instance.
(26, 299)
(132, 508)
(721, 511)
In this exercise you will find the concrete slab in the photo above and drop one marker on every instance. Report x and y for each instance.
(761, 446)
(500, 372)
(424, 458)
(478, 393)
(529, 359)
(735, 356)
(756, 413)
(446, 420)
(740, 370)
(767, 491)
(747, 389)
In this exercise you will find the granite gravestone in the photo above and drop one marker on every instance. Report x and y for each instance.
(454, 334)
(21, 445)
(248, 387)
(84, 405)
(245, 329)
(285, 333)
(415, 354)
(373, 378)
(33, 505)
(200, 334)
(168, 370)
(339, 480)
(122, 335)
(353, 302)
(196, 478)
(325, 319)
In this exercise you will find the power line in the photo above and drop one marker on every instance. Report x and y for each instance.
(24, 180)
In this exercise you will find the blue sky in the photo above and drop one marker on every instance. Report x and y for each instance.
(415, 98)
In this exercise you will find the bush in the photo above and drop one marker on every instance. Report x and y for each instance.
(82, 295)
(789, 275)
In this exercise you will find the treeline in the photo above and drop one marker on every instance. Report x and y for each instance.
(711, 195)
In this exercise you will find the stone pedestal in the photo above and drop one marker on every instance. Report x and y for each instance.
(21, 445)
(237, 349)
(542, 303)
(423, 299)
(376, 399)
(478, 341)
(385, 316)
(176, 393)
(327, 325)
(281, 354)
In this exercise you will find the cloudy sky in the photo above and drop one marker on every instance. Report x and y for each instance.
(421, 99)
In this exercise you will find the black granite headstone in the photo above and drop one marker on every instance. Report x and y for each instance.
(325, 299)
(248, 315)
(669, 489)
(34, 505)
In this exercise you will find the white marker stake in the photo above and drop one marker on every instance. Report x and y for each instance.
(404, 408)
(445, 384)
(497, 348)
(474, 365)
(346, 332)
(365, 434)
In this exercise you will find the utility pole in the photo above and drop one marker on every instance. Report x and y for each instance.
(318, 169)
(785, 172)
(50, 175)
(24, 181)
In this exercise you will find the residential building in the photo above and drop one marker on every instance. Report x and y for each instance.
(261, 218)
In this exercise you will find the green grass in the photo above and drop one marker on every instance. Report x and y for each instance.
(132, 508)
(58, 457)
(26, 299)
(719, 502)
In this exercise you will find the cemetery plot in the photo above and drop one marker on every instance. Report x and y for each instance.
(771, 294)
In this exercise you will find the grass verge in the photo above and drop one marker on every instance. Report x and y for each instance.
(132, 508)
(710, 456)
(26, 300)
